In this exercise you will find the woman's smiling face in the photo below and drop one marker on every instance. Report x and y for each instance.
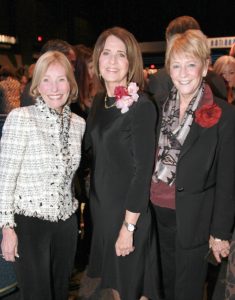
(54, 87)
(113, 62)
(187, 72)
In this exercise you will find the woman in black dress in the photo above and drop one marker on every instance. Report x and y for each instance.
(121, 136)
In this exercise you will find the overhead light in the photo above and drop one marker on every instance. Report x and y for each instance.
(39, 38)
(6, 39)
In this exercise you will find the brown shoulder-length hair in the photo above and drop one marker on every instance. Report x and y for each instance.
(192, 42)
(133, 51)
(41, 67)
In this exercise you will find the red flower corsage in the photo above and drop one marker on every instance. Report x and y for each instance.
(208, 115)
(120, 91)
(125, 97)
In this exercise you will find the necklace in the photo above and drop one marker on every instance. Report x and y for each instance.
(106, 105)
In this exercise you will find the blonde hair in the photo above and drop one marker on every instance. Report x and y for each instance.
(222, 62)
(133, 51)
(41, 67)
(192, 42)
(232, 50)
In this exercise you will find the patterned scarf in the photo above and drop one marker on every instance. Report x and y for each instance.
(63, 120)
(173, 134)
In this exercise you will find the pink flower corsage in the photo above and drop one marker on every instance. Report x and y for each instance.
(208, 115)
(125, 97)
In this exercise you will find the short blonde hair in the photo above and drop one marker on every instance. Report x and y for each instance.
(134, 55)
(41, 67)
(222, 62)
(192, 42)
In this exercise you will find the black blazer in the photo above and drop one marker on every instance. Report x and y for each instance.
(205, 181)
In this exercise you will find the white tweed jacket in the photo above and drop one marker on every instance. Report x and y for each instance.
(36, 166)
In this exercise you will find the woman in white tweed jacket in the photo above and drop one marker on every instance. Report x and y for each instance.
(40, 152)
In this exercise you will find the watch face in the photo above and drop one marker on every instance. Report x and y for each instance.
(131, 227)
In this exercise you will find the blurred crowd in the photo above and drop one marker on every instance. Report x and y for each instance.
(14, 83)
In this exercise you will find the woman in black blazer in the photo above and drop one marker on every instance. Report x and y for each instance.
(192, 187)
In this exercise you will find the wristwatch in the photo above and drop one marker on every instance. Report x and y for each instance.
(130, 227)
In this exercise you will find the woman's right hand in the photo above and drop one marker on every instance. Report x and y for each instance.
(219, 247)
(9, 244)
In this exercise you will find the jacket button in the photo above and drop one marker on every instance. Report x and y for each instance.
(180, 189)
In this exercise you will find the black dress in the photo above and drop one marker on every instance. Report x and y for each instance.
(123, 147)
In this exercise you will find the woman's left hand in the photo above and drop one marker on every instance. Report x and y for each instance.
(219, 247)
(124, 244)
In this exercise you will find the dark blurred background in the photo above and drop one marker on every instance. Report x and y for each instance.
(33, 22)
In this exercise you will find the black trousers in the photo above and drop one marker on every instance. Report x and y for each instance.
(47, 250)
(183, 270)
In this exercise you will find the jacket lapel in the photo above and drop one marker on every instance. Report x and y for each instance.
(196, 130)
(192, 137)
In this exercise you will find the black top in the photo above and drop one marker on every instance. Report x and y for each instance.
(123, 148)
